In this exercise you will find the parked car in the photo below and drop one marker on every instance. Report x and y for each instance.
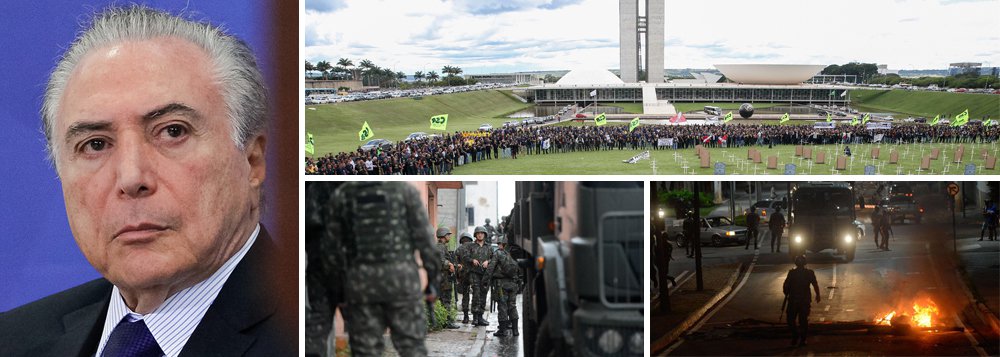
(715, 230)
(510, 124)
(903, 207)
(485, 127)
(765, 209)
(415, 136)
(375, 143)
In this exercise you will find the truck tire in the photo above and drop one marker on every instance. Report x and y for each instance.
(545, 344)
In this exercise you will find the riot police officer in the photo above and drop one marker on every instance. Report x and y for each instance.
(477, 261)
(504, 274)
(447, 269)
(380, 272)
(777, 227)
(796, 289)
(753, 223)
(461, 253)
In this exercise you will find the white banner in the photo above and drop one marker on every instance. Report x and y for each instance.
(824, 125)
(665, 142)
(878, 125)
(878, 138)
(545, 144)
(635, 159)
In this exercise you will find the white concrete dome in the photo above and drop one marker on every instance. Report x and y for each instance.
(589, 77)
(769, 73)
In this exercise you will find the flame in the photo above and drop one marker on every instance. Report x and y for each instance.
(923, 315)
(885, 320)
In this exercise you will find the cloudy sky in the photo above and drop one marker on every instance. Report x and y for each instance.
(484, 36)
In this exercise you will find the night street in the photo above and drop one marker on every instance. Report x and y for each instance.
(918, 269)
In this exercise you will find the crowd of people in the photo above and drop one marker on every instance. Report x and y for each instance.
(441, 156)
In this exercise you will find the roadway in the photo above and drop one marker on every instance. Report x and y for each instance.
(917, 266)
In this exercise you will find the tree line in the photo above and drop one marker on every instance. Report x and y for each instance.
(374, 75)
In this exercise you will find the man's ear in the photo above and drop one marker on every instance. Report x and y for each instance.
(256, 160)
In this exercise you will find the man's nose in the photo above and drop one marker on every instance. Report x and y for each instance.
(136, 171)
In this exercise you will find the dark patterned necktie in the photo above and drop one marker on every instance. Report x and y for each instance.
(131, 339)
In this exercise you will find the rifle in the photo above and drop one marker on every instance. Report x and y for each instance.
(782, 312)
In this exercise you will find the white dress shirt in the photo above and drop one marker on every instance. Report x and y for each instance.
(173, 322)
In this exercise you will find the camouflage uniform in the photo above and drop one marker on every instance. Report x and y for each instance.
(504, 272)
(322, 287)
(491, 232)
(478, 277)
(463, 273)
(446, 278)
(379, 225)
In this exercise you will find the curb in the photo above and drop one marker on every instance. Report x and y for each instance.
(676, 332)
(979, 309)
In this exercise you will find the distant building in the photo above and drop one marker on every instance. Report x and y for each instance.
(507, 78)
(958, 68)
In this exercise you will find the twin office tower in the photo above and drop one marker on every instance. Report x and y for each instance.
(632, 27)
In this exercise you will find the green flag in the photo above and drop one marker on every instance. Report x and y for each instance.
(310, 144)
(366, 132)
(936, 119)
(854, 120)
(866, 119)
(601, 119)
(633, 124)
(829, 118)
(439, 122)
(784, 118)
(832, 92)
(961, 119)
(729, 116)
(988, 122)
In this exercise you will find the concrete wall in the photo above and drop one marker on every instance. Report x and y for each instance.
(654, 40)
(628, 11)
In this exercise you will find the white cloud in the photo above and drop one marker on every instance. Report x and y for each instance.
(485, 36)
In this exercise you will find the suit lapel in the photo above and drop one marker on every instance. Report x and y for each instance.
(242, 303)
(82, 331)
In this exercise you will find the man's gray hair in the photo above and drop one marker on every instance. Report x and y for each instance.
(235, 67)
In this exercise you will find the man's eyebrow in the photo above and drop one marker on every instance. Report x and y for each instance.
(80, 128)
(172, 108)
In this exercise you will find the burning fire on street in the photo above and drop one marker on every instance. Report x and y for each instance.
(924, 314)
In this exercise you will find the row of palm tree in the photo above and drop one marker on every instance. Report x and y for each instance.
(372, 74)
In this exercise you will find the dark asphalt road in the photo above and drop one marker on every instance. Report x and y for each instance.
(876, 282)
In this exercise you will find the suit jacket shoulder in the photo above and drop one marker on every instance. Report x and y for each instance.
(68, 323)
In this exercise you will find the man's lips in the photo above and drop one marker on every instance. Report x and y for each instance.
(138, 233)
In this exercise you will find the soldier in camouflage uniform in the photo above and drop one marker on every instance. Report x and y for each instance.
(477, 261)
(464, 246)
(322, 287)
(505, 274)
(378, 225)
(491, 232)
(446, 280)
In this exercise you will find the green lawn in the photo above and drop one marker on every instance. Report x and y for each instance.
(927, 104)
(335, 126)
(686, 162)
(630, 108)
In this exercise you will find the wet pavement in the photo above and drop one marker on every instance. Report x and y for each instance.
(471, 340)
(918, 265)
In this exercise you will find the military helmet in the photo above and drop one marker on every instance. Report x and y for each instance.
(500, 239)
(465, 237)
(487, 221)
(480, 229)
(800, 260)
(443, 231)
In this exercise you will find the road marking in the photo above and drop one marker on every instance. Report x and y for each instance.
(827, 308)
(834, 282)
(965, 247)
(708, 316)
(681, 282)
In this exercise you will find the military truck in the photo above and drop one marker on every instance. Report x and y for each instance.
(822, 217)
(580, 246)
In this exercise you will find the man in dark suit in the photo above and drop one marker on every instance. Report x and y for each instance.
(156, 126)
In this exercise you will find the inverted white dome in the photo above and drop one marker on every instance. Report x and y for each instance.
(769, 73)
(589, 77)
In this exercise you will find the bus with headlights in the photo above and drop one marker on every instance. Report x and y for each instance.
(821, 216)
